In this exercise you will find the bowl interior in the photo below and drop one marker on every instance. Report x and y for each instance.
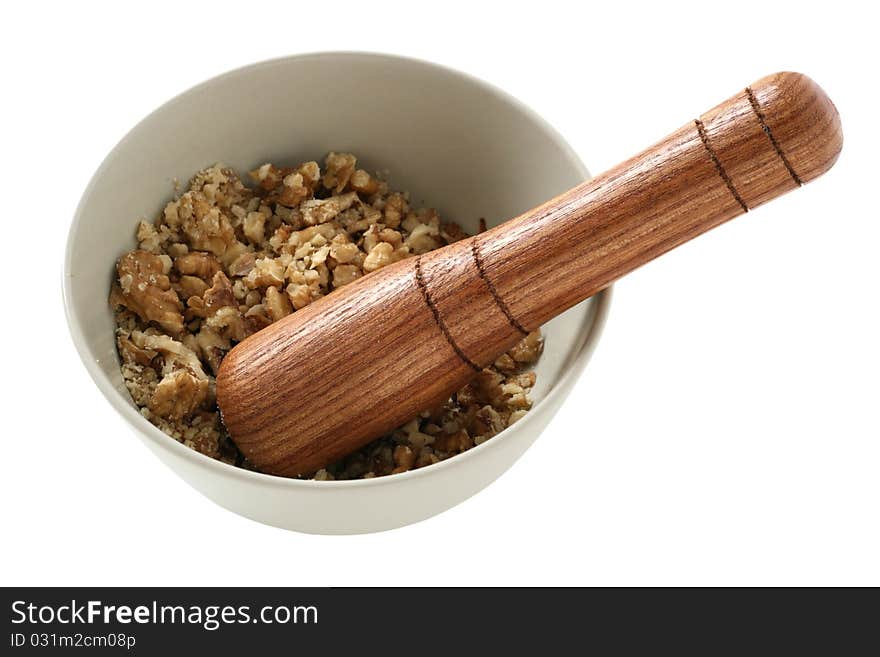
(453, 142)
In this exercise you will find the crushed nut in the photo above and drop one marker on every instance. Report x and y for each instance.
(363, 182)
(379, 256)
(321, 211)
(145, 289)
(345, 274)
(277, 304)
(254, 227)
(528, 349)
(199, 264)
(178, 394)
(224, 261)
(339, 169)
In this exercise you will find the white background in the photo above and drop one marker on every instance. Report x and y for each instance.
(726, 431)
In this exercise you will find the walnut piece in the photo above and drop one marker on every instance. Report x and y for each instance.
(198, 263)
(363, 182)
(178, 394)
(207, 228)
(145, 289)
(321, 211)
(277, 304)
(299, 185)
(176, 354)
(528, 349)
(339, 169)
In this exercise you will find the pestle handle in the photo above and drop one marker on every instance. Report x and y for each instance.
(324, 381)
(770, 138)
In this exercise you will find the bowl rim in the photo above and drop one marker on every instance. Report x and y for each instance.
(162, 440)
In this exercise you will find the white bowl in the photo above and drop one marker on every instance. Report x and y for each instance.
(454, 142)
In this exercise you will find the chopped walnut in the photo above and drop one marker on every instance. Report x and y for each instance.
(243, 264)
(229, 323)
(363, 182)
(379, 256)
(299, 184)
(394, 209)
(277, 304)
(304, 288)
(219, 294)
(404, 458)
(343, 252)
(207, 228)
(178, 394)
(212, 347)
(528, 349)
(267, 176)
(149, 239)
(176, 355)
(322, 211)
(131, 353)
(225, 260)
(198, 263)
(423, 238)
(487, 422)
(145, 289)
(266, 272)
(456, 442)
(345, 274)
(339, 169)
(191, 286)
(233, 252)
(255, 227)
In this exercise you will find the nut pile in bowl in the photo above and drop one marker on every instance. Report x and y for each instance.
(226, 259)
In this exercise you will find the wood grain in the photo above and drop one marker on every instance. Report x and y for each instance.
(329, 378)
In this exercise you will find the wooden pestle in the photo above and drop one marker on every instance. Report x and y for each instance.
(329, 378)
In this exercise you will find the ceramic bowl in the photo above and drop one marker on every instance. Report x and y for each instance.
(456, 143)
